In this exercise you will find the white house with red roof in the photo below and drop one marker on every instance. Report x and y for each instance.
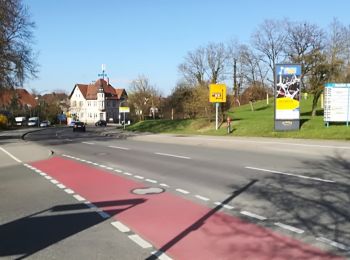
(96, 101)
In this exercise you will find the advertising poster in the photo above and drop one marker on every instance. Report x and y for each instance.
(287, 96)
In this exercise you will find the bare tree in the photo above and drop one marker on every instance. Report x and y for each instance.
(194, 68)
(217, 58)
(269, 39)
(17, 60)
(304, 41)
(143, 96)
(338, 49)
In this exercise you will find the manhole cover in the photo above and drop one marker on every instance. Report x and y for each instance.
(147, 190)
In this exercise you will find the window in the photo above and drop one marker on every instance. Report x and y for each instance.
(81, 103)
(113, 103)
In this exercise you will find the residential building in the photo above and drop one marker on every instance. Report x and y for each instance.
(99, 100)
(17, 101)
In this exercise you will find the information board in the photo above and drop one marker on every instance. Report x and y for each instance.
(336, 102)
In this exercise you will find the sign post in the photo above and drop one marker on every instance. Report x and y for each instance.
(124, 110)
(217, 94)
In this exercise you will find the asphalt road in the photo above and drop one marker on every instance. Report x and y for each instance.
(296, 188)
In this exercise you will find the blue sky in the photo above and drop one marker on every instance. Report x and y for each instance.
(148, 37)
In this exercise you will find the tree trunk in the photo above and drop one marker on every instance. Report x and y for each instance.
(314, 102)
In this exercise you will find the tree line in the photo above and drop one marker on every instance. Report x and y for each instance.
(324, 54)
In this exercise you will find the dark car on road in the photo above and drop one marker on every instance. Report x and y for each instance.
(79, 126)
(101, 123)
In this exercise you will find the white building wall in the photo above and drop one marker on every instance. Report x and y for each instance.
(88, 111)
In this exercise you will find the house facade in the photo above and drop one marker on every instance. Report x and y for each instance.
(99, 100)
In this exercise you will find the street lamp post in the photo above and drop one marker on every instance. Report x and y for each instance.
(38, 106)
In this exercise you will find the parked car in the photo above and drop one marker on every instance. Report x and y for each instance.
(79, 126)
(101, 123)
(72, 123)
(33, 121)
(45, 123)
(21, 120)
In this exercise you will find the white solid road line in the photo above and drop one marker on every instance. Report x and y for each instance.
(12, 156)
(173, 155)
(252, 215)
(289, 174)
(182, 191)
(141, 242)
(118, 147)
(290, 228)
(332, 243)
(120, 226)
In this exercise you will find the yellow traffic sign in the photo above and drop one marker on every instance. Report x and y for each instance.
(124, 109)
(217, 93)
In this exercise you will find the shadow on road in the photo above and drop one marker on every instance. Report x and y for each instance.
(320, 208)
(28, 235)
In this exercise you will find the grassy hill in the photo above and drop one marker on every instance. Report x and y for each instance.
(251, 123)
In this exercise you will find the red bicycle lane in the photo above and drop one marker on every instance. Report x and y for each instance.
(179, 227)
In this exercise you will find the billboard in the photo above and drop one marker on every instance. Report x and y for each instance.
(287, 96)
(217, 93)
(337, 102)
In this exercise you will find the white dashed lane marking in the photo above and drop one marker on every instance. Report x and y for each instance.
(253, 215)
(174, 155)
(69, 191)
(333, 243)
(78, 197)
(290, 228)
(118, 147)
(141, 242)
(103, 214)
(223, 205)
(151, 181)
(61, 186)
(182, 191)
(54, 181)
(88, 143)
(120, 226)
(161, 255)
(139, 177)
(202, 198)
(289, 174)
